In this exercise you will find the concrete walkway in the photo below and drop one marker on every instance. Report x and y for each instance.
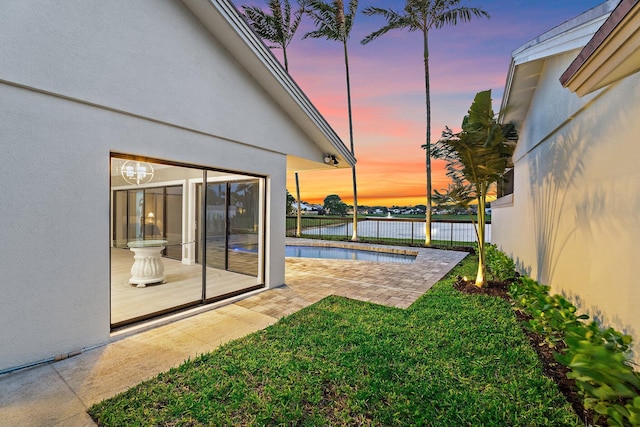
(59, 393)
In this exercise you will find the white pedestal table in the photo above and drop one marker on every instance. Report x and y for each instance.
(147, 265)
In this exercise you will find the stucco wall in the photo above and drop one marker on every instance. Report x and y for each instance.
(576, 203)
(550, 107)
(150, 57)
(78, 81)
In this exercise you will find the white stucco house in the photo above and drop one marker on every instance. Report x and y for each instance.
(162, 129)
(572, 220)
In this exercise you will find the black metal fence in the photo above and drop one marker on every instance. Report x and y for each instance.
(404, 231)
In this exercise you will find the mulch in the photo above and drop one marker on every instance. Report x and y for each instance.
(551, 368)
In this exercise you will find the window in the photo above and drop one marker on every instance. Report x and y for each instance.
(505, 184)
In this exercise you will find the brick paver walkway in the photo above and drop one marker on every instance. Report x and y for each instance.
(308, 280)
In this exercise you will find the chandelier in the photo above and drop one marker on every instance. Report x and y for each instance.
(136, 173)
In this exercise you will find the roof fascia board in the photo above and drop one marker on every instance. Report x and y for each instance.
(600, 12)
(223, 20)
(570, 35)
(507, 91)
(573, 38)
(609, 55)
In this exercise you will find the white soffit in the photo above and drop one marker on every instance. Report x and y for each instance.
(224, 22)
(528, 60)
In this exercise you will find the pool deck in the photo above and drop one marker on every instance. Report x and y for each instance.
(308, 280)
(59, 393)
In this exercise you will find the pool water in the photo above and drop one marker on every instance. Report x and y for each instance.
(327, 252)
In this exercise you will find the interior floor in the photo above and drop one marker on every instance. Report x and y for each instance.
(183, 285)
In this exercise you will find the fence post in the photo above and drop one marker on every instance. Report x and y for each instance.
(412, 231)
(451, 234)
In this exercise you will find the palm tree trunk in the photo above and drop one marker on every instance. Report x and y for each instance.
(481, 234)
(354, 237)
(286, 61)
(299, 214)
(427, 240)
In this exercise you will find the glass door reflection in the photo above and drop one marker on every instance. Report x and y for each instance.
(243, 227)
(231, 237)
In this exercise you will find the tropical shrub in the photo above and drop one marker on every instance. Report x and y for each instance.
(598, 358)
(551, 315)
(599, 363)
(499, 265)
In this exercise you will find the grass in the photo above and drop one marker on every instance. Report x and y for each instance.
(451, 359)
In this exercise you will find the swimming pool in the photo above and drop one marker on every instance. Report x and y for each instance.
(329, 252)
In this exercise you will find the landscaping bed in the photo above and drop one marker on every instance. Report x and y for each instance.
(552, 369)
(590, 362)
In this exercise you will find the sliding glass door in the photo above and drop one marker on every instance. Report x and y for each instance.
(232, 240)
(244, 239)
(216, 225)
(174, 245)
(173, 221)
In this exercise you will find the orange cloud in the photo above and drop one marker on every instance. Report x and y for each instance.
(380, 182)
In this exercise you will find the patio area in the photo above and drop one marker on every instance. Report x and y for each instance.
(59, 393)
(308, 280)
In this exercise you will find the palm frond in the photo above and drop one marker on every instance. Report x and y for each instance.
(394, 20)
(349, 17)
(323, 16)
(330, 19)
(481, 152)
(277, 26)
(462, 14)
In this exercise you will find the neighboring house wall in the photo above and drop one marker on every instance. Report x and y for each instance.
(573, 223)
(78, 81)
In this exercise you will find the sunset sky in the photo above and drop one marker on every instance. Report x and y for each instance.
(388, 95)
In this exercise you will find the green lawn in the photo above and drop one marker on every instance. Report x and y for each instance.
(449, 360)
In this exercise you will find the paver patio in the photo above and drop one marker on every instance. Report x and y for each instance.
(308, 280)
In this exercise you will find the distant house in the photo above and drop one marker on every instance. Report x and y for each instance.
(162, 126)
(317, 210)
(571, 220)
(308, 209)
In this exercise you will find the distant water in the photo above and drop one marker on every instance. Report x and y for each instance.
(456, 232)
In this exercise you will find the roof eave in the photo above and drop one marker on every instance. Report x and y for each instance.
(221, 16)
(611, 54)
(527, 60)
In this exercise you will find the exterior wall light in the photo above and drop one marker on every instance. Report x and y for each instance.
(330, 159)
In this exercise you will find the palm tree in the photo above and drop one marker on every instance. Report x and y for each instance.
(332, 23)
(278, 28)
(476, 158)
(424, 15)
